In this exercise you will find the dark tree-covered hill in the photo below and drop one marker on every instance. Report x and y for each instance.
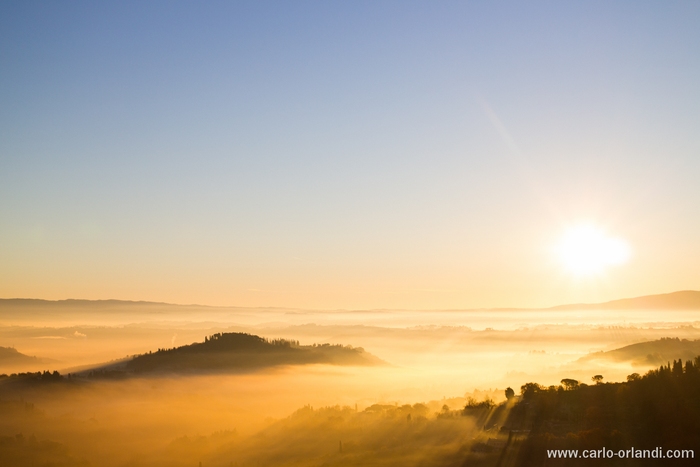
(237, 352)
(10, 356)
(650, 353)
(658, 410)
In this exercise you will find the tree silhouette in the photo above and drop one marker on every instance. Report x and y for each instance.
(530, 389)
(569, 384)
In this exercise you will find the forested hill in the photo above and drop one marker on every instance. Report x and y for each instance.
(10, 356)
(658, 414)
(240, 352)
(650, 353)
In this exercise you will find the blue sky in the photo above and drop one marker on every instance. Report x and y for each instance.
(344, 154)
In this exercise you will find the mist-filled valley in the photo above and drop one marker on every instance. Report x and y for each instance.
(333, 234)
(123, 383)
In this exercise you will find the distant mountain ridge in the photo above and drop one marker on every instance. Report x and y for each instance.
(79, 301)
(682, 300)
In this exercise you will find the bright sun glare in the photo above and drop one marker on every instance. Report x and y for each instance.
(586, 250)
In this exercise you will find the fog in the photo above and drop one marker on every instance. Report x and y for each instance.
(489, 348)
(296, 414)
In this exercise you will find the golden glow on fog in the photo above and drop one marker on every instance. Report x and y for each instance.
(586, 250)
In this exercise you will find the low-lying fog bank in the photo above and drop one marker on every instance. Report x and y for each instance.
(435, 359)
(161, 421)
(449, 357)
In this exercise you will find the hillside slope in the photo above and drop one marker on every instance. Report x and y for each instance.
(655, 353)
(683, 300)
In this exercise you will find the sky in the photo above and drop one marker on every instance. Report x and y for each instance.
(346, 155)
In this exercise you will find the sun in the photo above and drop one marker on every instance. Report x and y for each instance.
(587, 250)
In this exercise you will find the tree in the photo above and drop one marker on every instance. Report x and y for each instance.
(510, 393)
(529, 389)
(569, 384)
(597, 379)
(633, 377)
(678, 367)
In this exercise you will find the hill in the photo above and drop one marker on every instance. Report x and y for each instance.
(683, 300)
(10, 357)
(655, 353)
(658, 414)
(237, 352)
